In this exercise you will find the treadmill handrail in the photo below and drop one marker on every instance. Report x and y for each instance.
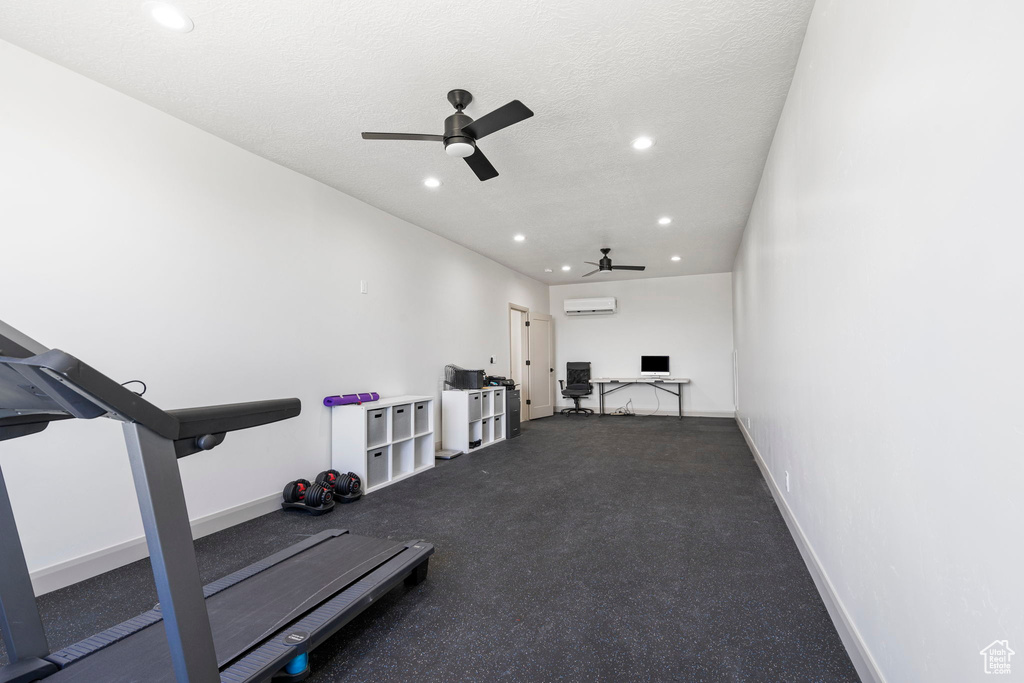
(79, 390)
(231, 417)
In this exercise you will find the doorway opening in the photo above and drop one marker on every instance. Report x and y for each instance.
(530, 357)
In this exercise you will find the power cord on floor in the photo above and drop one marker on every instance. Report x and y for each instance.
(628, 408)
(657, 396)
(624, 410)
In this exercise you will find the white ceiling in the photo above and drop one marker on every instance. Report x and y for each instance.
(296, 82)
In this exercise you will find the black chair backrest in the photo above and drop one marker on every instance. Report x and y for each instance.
(577, 375)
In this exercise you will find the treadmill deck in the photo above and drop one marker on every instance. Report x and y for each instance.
(318, 586)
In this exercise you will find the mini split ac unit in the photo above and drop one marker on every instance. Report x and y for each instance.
(598, 306)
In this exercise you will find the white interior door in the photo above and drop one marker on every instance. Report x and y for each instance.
(541, 370)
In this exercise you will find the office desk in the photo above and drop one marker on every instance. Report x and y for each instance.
(609, 385)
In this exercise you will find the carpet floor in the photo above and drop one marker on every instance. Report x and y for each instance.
(588, 549)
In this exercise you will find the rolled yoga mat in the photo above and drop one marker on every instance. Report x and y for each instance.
(347, 399)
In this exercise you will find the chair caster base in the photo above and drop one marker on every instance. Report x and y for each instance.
(578, 411)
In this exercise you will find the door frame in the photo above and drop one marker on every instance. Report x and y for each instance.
(524, 387)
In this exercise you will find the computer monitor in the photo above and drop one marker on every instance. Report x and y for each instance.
(654, 365)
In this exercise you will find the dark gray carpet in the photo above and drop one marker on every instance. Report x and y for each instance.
(589, 549)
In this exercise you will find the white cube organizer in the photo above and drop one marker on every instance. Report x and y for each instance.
(383, 441)
(471, 415)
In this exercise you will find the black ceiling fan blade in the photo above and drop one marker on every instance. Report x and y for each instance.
(628, 267)
(502, 117)
(480, 165)
(591, 272)
(591, 263)
(403, 136)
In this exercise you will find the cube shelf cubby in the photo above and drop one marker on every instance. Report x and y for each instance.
(383, 441)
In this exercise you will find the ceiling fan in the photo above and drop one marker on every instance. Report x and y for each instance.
(605, 266)
(461, 132)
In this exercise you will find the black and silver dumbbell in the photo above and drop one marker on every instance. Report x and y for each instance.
(347, 487)
(300, 491)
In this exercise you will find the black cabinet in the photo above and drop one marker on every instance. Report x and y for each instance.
(512, 407)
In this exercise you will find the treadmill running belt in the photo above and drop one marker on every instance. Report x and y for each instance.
(240, 616)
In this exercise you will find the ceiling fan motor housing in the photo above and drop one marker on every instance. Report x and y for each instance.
(455, 143)
(461, 132)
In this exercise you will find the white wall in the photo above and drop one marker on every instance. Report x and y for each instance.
(879, 309)
(153, 250)
(687, 318)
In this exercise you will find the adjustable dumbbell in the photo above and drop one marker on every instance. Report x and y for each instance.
(329, 478)
(347, 487)
(343, 484)
(312, 495)
(318, 495)
(350, 485)
(295, 491)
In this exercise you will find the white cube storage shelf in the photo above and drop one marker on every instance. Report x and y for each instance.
(471, 415)
(383, 441)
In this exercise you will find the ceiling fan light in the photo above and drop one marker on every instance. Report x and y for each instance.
(460, 149)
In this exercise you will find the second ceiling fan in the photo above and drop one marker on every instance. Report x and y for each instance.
(605, 265)
(461, 132)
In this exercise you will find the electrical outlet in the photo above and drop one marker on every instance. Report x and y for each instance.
(748, 423)
(787, 481)
(492, 360)
(363, 289)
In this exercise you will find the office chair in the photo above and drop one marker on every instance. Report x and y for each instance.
(577, 376)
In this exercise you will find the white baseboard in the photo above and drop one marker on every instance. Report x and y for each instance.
(93, 564)
(667, 413)
(856, 648)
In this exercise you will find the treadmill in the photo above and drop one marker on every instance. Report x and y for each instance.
(257, 624)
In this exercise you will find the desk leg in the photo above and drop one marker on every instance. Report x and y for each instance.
(680, 388)
(600, 400)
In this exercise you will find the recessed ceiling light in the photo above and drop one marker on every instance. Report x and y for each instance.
(432, 182)
(566, 267)
(548, 270)
(675, 258)
(642, 143)
(519, 238)
(168, 16)
(664, 220)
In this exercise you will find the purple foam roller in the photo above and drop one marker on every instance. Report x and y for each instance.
(348, 399)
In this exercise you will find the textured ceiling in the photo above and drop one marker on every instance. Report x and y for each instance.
(296, 82)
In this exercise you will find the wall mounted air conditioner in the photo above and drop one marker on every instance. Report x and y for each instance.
(598, 306)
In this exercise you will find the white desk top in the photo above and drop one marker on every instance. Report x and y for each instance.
(640, 380)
